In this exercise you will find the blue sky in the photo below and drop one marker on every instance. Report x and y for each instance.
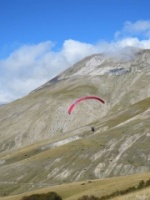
(41, 38)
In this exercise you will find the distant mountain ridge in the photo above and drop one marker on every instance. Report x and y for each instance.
(43, 145)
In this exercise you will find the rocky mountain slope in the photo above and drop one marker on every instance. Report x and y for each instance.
(41, 145)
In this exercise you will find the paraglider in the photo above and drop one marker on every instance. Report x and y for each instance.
(82, 99)
(92, 129)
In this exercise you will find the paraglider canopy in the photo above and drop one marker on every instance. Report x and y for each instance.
(71, 107)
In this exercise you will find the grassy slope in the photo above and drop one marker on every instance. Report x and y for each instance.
(139, 195)
(97, 187)
(133, 121)
(36, 160)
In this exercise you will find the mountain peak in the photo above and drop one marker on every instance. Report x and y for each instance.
(100, 64)
(37, 134)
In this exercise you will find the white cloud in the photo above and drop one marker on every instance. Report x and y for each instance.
(75, 50)
(32, 65)
(134, 42)
(139, 28)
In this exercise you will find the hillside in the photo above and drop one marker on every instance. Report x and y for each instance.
(41, 145)
(99, 188)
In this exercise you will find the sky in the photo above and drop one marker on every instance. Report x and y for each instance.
(41, 38)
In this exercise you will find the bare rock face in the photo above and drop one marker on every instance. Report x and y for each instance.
(41, 145)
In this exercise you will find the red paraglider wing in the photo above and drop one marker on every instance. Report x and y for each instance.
(81, 99)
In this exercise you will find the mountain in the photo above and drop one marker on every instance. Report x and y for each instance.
(42, 145)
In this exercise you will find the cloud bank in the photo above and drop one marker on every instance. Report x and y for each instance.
(30, 66)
